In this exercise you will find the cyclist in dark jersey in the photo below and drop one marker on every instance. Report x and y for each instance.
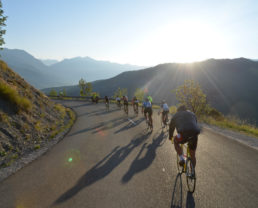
(185, 122)
(125, 99)
(135, 103)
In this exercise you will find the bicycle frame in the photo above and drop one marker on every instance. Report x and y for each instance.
(188, 170)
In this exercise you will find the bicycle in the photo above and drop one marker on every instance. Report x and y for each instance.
(119, 105)
(107, 106)
(164, 124)
(149, 125)
(126, 109)
(135, 108)
(187, 168)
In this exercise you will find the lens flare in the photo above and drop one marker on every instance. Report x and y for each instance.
(72, 158)
(100, 132)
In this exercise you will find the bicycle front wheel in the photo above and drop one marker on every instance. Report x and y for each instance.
(190, 175)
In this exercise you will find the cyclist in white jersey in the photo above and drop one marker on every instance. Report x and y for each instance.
(165, 110)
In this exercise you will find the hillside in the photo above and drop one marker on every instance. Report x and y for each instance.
(32, 69)
(230, 84)
(48, 62)
(51, 73)
(28, 119)
(72, 70)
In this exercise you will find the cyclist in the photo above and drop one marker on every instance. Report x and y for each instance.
(185, 123)
(165, 110)
(150, 99)
(125, 99)
(107, 101)
(135, 103)
(97, 99)
(147, 108)
(118, 100)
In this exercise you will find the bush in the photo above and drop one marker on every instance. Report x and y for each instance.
(10, 95)
(212, 112)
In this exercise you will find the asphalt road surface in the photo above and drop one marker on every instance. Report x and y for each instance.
(111, 160)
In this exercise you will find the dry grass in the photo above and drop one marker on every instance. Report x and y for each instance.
(12, 96)
(232, 124)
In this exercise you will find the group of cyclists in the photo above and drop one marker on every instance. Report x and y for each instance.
(184, 121)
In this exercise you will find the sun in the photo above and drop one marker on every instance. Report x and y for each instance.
(182, 41)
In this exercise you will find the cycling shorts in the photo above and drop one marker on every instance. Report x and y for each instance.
(165, 113)
(125, 102)
(189, 137)
(148, 110)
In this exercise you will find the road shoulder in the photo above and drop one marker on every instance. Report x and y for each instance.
(236, 136)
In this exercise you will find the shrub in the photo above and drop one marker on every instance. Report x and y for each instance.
(9, 94)
(61, 109)
(37, 146)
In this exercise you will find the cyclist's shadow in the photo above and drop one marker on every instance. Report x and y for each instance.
(177, 195)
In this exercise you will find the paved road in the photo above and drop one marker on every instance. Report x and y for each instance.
(108, 161)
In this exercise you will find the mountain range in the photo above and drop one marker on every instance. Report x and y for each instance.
(231, 85)
(66, 72)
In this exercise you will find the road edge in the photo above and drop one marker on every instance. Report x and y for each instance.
(243, 139)
(27, 159)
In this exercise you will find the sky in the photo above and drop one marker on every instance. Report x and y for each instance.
(139, 32)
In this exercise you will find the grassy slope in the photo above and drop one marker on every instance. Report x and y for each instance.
(28, 118)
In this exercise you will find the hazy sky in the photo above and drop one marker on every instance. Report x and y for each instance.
(141, 32)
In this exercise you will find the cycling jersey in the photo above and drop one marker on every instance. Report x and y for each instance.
(150, 98)
(147, 104)
(165, 107)
(118, 99)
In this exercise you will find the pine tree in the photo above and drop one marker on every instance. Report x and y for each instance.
(2, 24)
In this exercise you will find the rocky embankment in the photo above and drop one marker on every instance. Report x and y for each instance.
(28, 119)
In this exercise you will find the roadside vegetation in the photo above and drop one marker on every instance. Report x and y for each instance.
(18, 102)
(28, 118)
(191, 95)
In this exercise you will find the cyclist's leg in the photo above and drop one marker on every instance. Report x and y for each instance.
(145, 114)
(150, 115)
(162, 117)
(166, 116)
(179, 139)
(177, 146)
(192, 149)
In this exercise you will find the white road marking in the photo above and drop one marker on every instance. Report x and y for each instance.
(131, 121)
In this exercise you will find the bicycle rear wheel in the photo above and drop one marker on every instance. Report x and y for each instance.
(190, 175)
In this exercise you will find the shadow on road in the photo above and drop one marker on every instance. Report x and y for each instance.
(102, 126)
(139, 165)
(177, 195)
(103, 112)
(190, 203)
(102, 168)
(130, 125)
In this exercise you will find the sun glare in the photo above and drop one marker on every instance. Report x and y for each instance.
(185, 41)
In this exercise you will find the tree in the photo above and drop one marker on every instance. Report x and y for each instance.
(64, 92)
(139, 93)
(2, 24)
(191, 95)
(85, 87)
(120, 92)
(53, 93)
